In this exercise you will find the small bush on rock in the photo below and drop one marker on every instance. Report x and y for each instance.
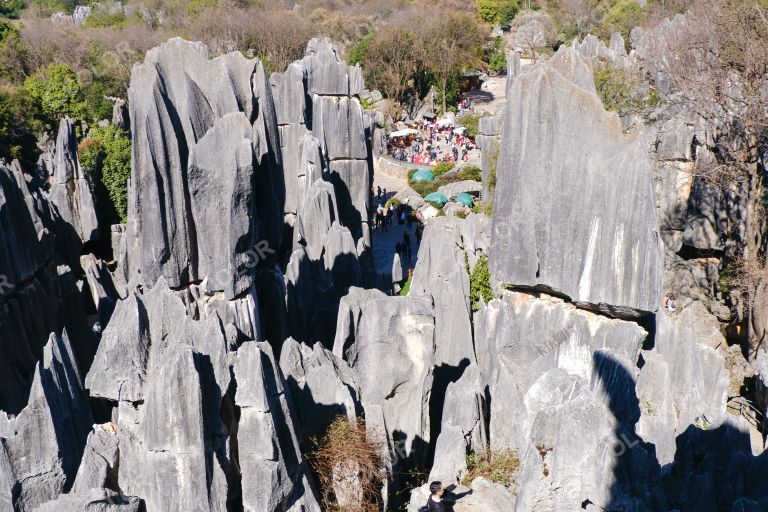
(480, 283)
(500, 466)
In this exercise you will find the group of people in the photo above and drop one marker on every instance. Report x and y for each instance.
(432, 145)
(386, 215)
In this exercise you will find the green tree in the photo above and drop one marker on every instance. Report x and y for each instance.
(359, 52)
(480, 283)
(106, 155)
(622, 17)
(450, 44)
(488, 10)
(11, 8)
(18, 126)
(507, 12)
(57, 91)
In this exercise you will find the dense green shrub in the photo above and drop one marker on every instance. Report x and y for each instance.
(106, 155)
(622, 17)
(470, 172)
(358, 53)
(480, 283)
(10, 8)
(620, 91)
(57, 92)
(441, 168)
(471, 122)
(506, 13)
(483, 208)
(102, 18)
(18, 127)
(424, 188)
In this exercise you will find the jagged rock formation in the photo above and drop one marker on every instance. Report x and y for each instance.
(152, 353)
(321, 386)
(327, 181)
(389, 344)
(38, 293)
(579, 217)
(70, 191)
(42, 446)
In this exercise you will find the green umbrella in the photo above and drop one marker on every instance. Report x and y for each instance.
(422, 175)
(465, 199)
(437, 198)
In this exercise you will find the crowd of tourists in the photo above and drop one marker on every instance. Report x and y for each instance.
(432, 143)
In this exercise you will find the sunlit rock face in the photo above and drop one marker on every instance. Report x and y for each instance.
(575, 210)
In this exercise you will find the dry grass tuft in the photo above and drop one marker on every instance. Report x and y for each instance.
(349, 467)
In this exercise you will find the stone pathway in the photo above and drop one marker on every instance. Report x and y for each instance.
(384, 241)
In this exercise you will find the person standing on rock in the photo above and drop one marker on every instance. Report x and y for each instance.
(435, 502)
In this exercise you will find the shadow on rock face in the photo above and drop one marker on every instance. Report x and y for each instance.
(713, 470)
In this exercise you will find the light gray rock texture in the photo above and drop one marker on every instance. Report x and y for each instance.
(38, 293)
(389, 344)
(93, 500)
(41, 448)
(98, 467)
(273, 468)
(70, 191)
(557, 373)
(321, 385)
(580, 223)
(214, 123)
(683, 382)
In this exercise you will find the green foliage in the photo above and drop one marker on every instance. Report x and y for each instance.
(18, 128)
(488, 10)
(102, 18)
(622, 17)
(106, 155)
(470, 172)
(57, 92)
(51, 6)
(424, 188)
(195, 7)
(500, 12)
(471, 122)
(462, 214)
(480, 283)
(406, 287)
(359, 52)
(482, 208)
(507, 11)
(11, 8)
(411, 172)
(441, 168)
(497, 62)
(500, 466)
(620, 91)
(493, 165)
(451, 91)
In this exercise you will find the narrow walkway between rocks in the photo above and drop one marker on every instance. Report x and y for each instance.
(384, 241)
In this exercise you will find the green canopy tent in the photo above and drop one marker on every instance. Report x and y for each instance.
(422, 175)
(436, 198)
(465, 199)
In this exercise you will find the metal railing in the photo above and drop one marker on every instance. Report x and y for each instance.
(749, 411)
